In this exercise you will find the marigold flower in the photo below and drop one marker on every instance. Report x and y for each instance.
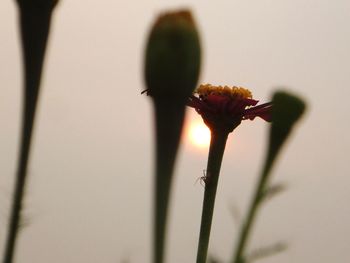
(223, 107)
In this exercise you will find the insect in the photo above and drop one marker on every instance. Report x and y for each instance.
(145, 91)
(203, 179)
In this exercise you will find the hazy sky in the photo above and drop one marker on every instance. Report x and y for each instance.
(90, 189)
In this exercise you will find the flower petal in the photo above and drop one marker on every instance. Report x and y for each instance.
(198, 104)
(263, 111)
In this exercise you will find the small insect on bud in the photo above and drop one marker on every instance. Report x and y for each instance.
(172, 61)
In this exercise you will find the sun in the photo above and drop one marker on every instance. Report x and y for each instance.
(199, 134)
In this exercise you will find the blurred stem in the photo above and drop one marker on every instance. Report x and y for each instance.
(169, 120)
(34, 27)
(19, 185)
(286, 110)
(253, 209)
(216, 152)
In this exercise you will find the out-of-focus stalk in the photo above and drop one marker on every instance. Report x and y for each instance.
(172, 65)
(286, 111)
(34, 21)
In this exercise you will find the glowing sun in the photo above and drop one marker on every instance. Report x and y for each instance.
(199, 134)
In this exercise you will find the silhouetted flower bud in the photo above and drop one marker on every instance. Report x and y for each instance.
(173, 56)
(286, 111)
(172, 64)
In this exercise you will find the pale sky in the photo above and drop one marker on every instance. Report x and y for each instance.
(90, 188)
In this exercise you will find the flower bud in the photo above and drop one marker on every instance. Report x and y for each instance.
(172, 61)
(286, 111)
(172, 64)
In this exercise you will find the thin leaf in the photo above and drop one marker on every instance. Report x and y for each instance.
(267, 251)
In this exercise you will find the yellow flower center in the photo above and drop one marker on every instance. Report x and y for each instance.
(233, 92)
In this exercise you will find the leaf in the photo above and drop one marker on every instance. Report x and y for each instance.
(236, 214)
(272, 191)
(267, 251)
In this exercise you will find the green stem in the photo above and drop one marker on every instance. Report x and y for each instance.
(34, 24)
(286, 111)
(169, 121)
(19, 188)
(252, 211)
(216, 152)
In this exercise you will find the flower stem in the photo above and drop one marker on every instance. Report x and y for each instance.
(169, 122)
(286, 110)
(19, 186)
(216, 152)
(34, 25)
(252, 211)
